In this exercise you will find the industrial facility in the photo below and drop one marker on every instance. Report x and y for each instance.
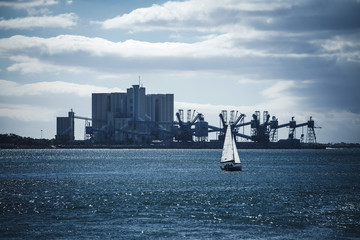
(136, 118)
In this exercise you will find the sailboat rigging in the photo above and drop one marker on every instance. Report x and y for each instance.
(230, 160)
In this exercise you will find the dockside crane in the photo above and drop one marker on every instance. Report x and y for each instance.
(234, 126)
(224, 124)
(274, 127)
(311, 136)
(241, 117)
(185, 131)
(292, 125)
(237, 125)
(261, 132)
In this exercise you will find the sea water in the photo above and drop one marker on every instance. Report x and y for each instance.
(179, 194)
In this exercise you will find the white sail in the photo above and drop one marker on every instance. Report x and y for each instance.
(228, 151)
(236, 154)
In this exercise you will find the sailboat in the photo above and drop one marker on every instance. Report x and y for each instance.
(230, 160)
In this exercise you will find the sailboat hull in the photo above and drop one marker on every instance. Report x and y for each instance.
(231, 168)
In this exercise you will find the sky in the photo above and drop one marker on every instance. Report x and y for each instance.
(296, 58)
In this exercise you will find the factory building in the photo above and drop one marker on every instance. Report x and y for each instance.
(121, 117)
(136, 103)
(160, 107)
(65, 128)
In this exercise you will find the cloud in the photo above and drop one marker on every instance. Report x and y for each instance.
(27, 113)
(113, 76)
(169, 11)
(205, 13)
(60, 21)
(345, 47)
(33, 7)
(250, 79)
(10, 88)
(223, 45)
(27, 65)
(282, 87)
(277, 98)
(18, 4)
(41, 11)
(218, 46)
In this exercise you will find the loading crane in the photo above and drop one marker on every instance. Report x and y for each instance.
(273, 125)
(268, 130)
(311, 136)
(234, 126)
(185, 131)
(260, 131)
(241, 117)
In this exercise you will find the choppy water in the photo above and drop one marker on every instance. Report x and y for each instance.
(156, 194)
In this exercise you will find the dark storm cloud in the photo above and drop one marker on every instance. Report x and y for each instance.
(335, 86)
(335, 77)
(311, 16)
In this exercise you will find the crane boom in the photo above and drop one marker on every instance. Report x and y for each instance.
(243, 124)
(239, 119)
(179, 119)
(301, 125)
(222, 120)
(283, 125)
(196, 118)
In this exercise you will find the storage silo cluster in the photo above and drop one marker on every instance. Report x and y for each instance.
(125, 117)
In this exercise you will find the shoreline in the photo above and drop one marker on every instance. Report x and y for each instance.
(181, 146)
